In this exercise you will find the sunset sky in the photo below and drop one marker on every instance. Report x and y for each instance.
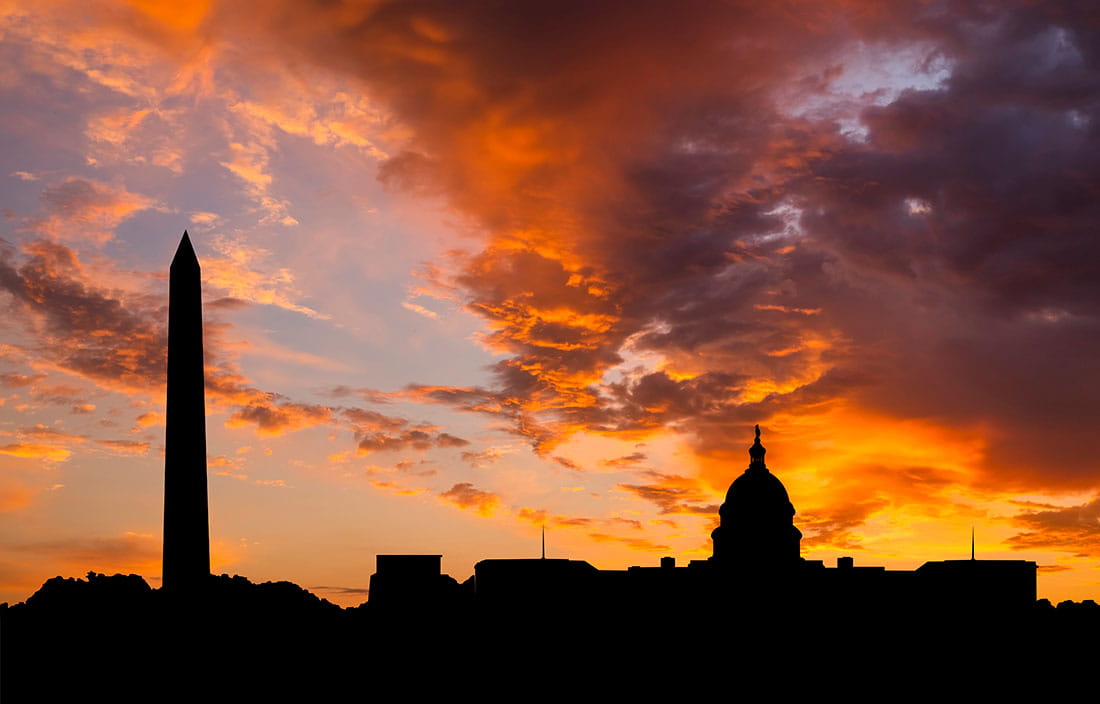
(474, 268)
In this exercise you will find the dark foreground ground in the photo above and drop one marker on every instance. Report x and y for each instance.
(107, 639)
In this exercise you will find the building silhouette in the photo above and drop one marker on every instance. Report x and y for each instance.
(756, 560)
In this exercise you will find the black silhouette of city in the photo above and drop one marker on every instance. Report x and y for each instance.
(739, 613)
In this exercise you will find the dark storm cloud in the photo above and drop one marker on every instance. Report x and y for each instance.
(969, 216)
(108, 336)
(682, 180)
(942, 266)
(606, 175)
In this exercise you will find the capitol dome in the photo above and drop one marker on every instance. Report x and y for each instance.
(756, 521)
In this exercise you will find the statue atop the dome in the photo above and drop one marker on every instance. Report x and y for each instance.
(756, 522)
(756, 453)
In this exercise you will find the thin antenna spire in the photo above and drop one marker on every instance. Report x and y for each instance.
(544, 541)
(971, 542)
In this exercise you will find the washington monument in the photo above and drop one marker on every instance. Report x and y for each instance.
(186, 521)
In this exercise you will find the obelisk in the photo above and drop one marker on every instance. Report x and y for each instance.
(186, 519)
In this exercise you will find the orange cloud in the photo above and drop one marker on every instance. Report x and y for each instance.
(542, 517)
(675, 495)
(485, 457)
(277, 483)
(420, 310)
(277, 418)
(396, 488)
(466, 496)
(125, 447)
(219, 461)
(184, 17)
(1070, 529)
(237, 272)
(32, 450)
(43, 443)
(149, 419)
(138, 136)
(43, 432)
(634, 459)
(642, 544)
(837, 526)
(81, 209)
(376, 432)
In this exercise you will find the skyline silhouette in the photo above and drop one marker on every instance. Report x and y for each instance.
(530, 266)
(756, 546)
(755, 541)
(756, 585)
(755, 550)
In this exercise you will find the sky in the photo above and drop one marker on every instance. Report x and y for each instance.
(475, 269)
